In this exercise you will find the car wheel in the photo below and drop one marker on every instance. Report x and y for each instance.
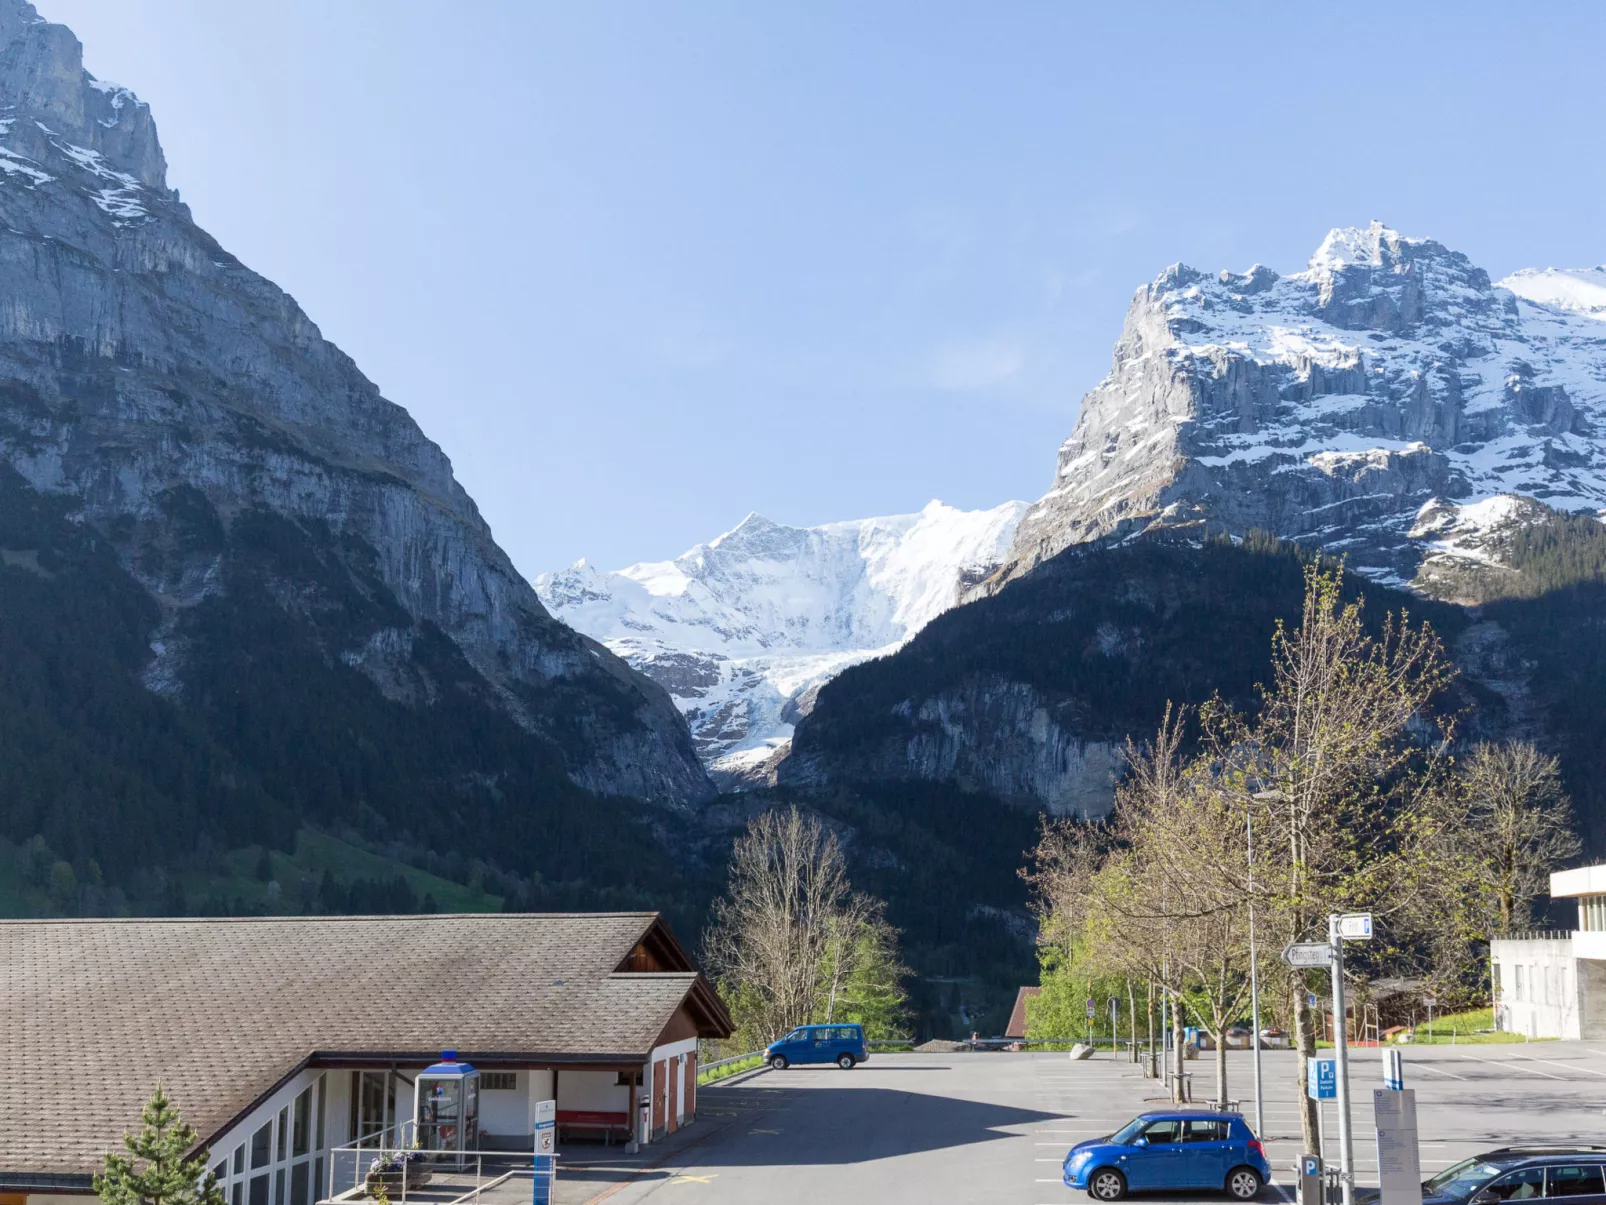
(845, 1061)
(1106, 1184)
(778, 1063)
(1243, 1183)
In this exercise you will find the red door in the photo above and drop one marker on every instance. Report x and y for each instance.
(658, 1085)
(674, 1094)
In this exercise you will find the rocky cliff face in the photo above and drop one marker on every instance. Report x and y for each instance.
(1333, 405)
(744, 630)
(140, 363)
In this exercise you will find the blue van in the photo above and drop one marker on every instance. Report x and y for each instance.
(839, 1044)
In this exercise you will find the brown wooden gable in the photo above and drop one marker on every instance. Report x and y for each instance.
(656, 951)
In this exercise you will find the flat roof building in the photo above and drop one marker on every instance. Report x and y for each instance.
(1552, 984)
(282, 1039)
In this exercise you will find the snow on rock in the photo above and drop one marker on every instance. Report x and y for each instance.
(744, 630)
(1580, 290)
(1328, 406)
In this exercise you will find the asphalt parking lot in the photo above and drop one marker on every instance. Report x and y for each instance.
(994, 1127)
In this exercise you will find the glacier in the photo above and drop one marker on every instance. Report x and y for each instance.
(744, 630)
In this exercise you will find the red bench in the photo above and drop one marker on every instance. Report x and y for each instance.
(593, 1120)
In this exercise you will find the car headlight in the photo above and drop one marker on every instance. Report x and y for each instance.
(1076, 1158)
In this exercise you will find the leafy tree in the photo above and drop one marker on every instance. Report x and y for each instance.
(155, 1170)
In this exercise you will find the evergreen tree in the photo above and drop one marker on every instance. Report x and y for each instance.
(166, 1177)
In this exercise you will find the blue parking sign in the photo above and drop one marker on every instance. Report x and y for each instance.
(1321, 1079)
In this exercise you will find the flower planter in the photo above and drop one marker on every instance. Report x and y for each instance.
(390, 1179)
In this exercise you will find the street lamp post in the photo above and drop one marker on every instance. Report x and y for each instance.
(1254, 983)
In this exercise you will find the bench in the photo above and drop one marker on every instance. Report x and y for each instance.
(594, 1120)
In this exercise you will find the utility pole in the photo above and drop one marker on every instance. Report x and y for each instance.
(1254, 981)
(1346, 1145)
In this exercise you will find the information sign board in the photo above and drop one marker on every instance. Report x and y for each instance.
(1399, 1161)
(546, 1164)
(1321, 1079)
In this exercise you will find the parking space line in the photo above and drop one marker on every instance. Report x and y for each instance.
(1554, 1063)
(1514, 1063)
(1436, 1070)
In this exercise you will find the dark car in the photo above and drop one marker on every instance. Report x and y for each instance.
(1168, 1151)
(1575, 1174)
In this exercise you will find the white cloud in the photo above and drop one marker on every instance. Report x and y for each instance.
(977, 365)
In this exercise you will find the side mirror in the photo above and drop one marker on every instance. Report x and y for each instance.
(1485, 1198)
(1142, 1141)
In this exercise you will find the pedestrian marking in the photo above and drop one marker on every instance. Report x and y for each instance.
(1513, 1063)
(689, 1179)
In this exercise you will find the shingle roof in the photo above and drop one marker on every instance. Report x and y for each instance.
(1017, 1015)
(94, 1013)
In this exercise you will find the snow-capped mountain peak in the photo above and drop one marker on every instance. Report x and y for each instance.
(744, 629)
(1331, 404)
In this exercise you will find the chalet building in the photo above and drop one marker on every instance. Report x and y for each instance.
(284, 1041)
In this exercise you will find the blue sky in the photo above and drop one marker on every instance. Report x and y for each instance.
(642, 268)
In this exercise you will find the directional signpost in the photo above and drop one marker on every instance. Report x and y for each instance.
(1327, 1079)
(1308, 954)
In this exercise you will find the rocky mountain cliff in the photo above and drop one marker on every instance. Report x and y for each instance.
(744, 630)
(1336, 405)
(173, 399)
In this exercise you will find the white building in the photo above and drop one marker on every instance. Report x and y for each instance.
(284, 1039)
(1553, 985)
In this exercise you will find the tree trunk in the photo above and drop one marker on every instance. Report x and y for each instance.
(1149, 1020)
(1176, 1044)
(1132, 1016)
(1305, 1043)
(1221, 1068)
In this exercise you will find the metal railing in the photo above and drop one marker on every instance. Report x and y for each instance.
(400, 1165)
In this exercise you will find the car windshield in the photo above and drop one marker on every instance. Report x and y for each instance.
(797, 1035)
(1463, 1179)
(1128, 1132)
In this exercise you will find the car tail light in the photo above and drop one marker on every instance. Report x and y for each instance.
(1254, 1145)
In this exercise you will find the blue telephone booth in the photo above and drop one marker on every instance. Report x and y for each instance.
(446, 1107)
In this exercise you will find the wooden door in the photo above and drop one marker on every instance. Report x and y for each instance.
(659, 1084)
(675, 1066)
(691, 1085)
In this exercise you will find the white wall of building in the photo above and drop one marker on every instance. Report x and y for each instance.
(1539, 987)
(592, 1092)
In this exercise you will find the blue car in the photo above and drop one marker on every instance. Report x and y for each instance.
(1171, 1151)
(839, 1044)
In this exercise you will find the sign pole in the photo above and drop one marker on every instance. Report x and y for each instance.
(1346, 1149)
(546, 1164)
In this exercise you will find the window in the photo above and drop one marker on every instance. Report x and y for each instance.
(298, 1184)
(317, 1133)
(259, 1190)
(262, 1149)
(239, 1159)
(318, 1185)
(284, 1119)
(1204, 1129)
(1521, 1185)
(1574, 1182)
(498, 1081)
(1163, 1131)
(278, 1187)
(220, 1169)
(302, 1122)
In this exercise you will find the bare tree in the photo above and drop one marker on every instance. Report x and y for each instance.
(1518, 828)
(790, 933)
